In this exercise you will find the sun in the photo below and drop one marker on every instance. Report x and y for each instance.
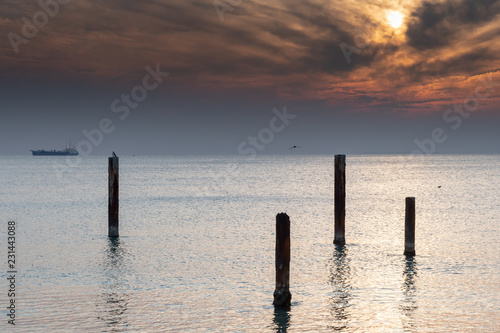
(395, 18)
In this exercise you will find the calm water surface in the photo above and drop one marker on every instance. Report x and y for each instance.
(196, 251)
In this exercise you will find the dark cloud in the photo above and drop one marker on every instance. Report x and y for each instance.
(491, 71)
(458, 64)
(435, 24)
(254, 38)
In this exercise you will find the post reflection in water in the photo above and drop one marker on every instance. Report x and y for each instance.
(113, 300)
(281, 319)
(408, 304)
(340, 278)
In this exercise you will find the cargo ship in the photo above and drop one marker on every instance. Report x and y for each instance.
(68, 151)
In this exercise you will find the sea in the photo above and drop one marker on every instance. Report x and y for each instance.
(196, 251)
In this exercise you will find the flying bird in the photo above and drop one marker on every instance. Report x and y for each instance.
(292, 147)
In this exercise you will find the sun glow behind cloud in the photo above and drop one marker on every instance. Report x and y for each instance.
(395, 18)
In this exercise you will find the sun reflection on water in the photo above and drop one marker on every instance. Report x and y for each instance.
(340, 279)
(409, 287)
(112, 303)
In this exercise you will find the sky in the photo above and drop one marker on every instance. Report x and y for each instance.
(250, 77)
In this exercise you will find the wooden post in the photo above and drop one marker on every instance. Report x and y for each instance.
(410, 227)
(339, 200)
(282, 295)
(113, 196)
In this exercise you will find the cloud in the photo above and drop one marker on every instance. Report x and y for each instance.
(491, 71)
(285, 49)
(437, 24)
(462, 64)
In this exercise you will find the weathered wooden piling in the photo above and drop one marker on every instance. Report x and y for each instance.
(282, 295)
(410, 227)
(339, 200)
(113, 196)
